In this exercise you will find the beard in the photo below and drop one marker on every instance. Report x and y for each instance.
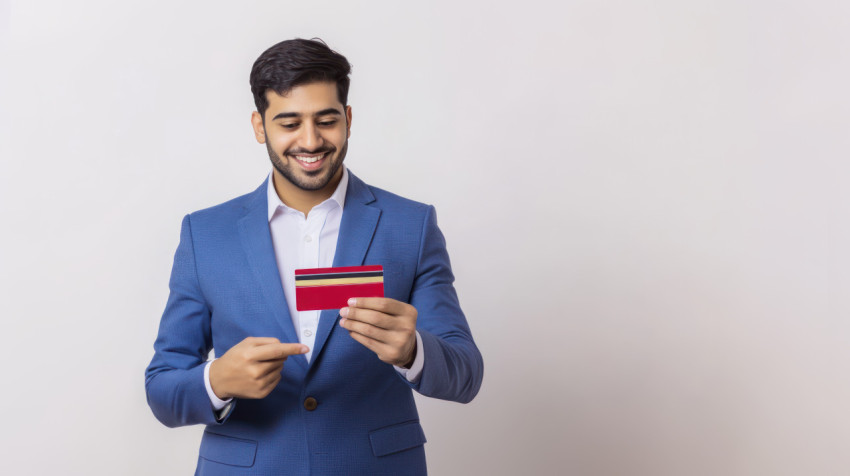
(312, 180)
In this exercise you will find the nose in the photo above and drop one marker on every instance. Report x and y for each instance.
(311, 138)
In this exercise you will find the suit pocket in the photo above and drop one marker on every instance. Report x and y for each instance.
(395, 438)
(228, 450)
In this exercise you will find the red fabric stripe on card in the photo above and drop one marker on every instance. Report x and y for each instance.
(311, 298)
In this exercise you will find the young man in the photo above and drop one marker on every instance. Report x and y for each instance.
(308, 392)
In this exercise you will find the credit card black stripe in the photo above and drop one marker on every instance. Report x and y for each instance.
(362, 274)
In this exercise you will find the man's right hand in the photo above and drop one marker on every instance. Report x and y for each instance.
(251, 368)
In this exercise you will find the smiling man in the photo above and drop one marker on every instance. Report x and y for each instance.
(312, 142)
(308, 392)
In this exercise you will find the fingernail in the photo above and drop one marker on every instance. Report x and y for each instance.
(304, 349)
(344, 311)
(352, 302)
(342, 322)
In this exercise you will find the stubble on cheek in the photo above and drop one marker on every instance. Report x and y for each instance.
(276, 160)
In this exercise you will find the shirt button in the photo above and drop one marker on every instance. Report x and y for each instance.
(310, 404)
(308, 238)
(308, 332)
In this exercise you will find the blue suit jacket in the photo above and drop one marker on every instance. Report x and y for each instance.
(225, 286)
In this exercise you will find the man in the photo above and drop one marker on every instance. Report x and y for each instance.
(308, 392)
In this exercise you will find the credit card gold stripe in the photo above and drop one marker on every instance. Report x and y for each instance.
(363, 274)
(329, 282)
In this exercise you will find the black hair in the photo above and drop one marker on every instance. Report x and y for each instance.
(296, 62)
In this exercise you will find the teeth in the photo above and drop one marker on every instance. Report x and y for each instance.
(308, 160)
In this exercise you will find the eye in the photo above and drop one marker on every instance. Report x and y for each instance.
(327, 123)
(290, 126)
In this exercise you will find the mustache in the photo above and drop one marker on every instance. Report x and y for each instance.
(320, 150)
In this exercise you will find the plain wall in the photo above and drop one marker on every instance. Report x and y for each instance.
(645, 202)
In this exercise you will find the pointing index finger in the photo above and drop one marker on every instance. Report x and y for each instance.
(278, 351)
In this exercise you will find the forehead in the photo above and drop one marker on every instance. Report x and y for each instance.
(305, 99)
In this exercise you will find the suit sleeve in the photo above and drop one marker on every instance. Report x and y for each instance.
(174, 380)
(453, 365)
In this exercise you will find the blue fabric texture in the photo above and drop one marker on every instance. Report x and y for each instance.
(225, 287)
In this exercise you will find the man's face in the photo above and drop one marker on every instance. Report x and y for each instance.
(306, 133)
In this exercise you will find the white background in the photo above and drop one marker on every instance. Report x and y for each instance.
(646, 205)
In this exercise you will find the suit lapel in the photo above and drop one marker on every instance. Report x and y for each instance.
(256, 240)
(356, 230)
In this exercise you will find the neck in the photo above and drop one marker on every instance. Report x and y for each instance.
(300, 199)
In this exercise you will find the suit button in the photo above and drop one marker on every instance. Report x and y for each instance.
(310, 403)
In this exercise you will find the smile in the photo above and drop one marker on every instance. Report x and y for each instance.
(309, 159)
(312, 162)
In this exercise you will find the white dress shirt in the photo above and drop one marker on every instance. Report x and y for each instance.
(307, 242)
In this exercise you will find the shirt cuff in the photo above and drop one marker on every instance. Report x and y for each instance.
(217, 403)
(415, 371)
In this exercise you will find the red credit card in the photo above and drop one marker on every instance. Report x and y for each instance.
(330, 288)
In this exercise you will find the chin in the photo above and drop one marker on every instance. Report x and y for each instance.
(312, 181)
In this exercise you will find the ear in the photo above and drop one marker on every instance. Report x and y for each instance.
(348, 121)
(259, 128)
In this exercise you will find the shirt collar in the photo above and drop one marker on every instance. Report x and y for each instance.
(338, 196)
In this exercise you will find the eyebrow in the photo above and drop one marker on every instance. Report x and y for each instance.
(323, 112)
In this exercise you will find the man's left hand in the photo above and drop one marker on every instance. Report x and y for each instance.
(385, 326)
